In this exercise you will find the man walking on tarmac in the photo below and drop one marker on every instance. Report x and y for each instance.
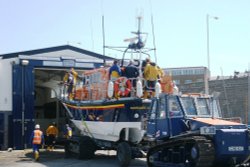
(37, 139)
(52, 133)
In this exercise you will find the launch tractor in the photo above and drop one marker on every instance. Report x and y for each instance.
(188, 130)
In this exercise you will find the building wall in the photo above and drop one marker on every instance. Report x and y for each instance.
(185, 75)
(5, 99)
(6, 84)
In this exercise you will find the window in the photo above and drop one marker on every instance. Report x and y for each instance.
(202, 106)
(176, 72)
(158, 112)
(52, 94)
(188, 105)
(177, 82)
(215, 108)
(188, 81)
(199, 71)
(199, 80)
(153, 111)
(174, 107)
(162, 108)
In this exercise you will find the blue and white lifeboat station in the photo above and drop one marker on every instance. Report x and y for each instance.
(29, 82)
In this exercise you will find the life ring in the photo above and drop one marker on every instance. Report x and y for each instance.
(122, 86)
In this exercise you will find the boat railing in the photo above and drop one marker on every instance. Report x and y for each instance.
(86, 90)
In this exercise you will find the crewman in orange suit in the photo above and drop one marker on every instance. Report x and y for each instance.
(52, 133)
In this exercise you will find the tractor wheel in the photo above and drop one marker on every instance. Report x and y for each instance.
(87, 148)
(124, 154)
(229, 163)
(194, 155)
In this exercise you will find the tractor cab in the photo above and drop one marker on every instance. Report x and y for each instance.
(172, 115)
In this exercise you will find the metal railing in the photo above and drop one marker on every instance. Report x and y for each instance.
(85, 90)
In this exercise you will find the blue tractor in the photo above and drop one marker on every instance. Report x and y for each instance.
(188, 130)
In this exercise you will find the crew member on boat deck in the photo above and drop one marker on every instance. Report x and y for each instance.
(70, 80)
(160, 72)
(52, 133)
(151, 74)
(144, 63)
(114, 71)
(132, 72)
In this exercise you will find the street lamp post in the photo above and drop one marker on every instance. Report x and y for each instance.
(24, 63)
(207, 78)
(248, 99)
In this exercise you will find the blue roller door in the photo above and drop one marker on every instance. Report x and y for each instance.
(17, 107)
(29, 103)
(23, 105)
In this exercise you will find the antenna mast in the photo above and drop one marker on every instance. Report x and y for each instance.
(103, 36)
(153, 33)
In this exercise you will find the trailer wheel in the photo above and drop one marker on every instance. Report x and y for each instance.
(124, 154)
(87, 148)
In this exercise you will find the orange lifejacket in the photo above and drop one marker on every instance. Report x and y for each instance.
(37, 139)
(122, 86)
(52, 130)
(166, 84)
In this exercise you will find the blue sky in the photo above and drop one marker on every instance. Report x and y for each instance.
(180, 28)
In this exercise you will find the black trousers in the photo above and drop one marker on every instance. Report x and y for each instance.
(51, 140)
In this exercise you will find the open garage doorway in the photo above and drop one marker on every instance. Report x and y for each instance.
(47, 107)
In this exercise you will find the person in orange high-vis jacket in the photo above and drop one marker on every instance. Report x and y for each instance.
(37, 139)
(52, 133)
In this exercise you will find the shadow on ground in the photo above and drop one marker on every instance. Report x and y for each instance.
(102, 158)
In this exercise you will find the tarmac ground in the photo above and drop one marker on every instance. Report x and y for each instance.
(24, 158)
